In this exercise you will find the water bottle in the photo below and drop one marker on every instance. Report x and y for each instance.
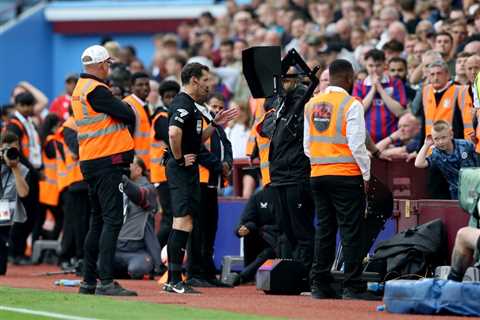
(67, 283)
(381, 307)
(375, 287)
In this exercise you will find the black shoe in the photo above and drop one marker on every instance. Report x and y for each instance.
(86, 288)
(219, 284)
(180, 288)
(324, 292)
(349, 294)
(114, 289)
(199, 283)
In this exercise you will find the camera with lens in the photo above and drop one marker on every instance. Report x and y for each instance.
(11, 153)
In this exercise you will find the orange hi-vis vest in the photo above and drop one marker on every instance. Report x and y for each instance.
(329, 151)
(62, 173)
(445, 110)
(141, 136)
(48, 186)
(74, 174)
(99, 135)
(157, 152)
(259, 112)
(203, 172)
(25, 140)
(263, 150)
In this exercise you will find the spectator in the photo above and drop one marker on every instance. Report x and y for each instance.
(397, 68)
(472, 47)
(420, 74)
(460, 70)
(61, 104)
(393, 49)
(449, 155)
(467, 244)
(444, 45)
(472, 67)
(403, 142)
(409, 17)
(383, 97)
(41, 100)
(357, 38)
(173, 67)
(227, 59)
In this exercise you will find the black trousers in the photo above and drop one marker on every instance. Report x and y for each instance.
(339, 203)
(294, 209)
(4, 238)
(255, 252)
(68, 239)
(437, 185)
(38, 230)
(21, 231)
(167, 214)
(202, 238)
(77, 219)
(107, 218)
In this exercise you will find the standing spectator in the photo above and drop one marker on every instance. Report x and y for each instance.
(397, 68)
(444, 45)
(460, 70)
(61, 104)
(383, 97)
(472, 67)
(41, 100)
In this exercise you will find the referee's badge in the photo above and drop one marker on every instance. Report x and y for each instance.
(446, 103)
(322, 115)
(464, 155)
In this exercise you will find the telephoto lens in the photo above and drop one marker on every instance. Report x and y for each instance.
(12, 153)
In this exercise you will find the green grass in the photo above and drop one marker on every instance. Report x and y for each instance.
(102, 307)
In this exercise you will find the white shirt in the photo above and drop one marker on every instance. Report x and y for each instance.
(238, 136)
(355, 134)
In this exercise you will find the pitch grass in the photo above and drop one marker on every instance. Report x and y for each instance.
(102, 307)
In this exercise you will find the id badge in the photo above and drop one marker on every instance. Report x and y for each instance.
(6, 212)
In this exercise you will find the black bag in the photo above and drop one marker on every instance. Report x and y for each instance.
(411, 254)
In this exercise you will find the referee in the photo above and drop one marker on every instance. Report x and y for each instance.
(186, 136)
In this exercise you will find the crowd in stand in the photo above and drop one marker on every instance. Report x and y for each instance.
(411, 59)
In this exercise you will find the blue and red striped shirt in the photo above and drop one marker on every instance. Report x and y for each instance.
(379, 120)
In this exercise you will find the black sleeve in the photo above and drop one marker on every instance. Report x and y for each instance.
(180, 114)
(161, 129)
(12, 127)
(50, 150)
(249, 214)
(71, 140)
(144, 197)
(227, 147)
(102, 100)
(209, 160)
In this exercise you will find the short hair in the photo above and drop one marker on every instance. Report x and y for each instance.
(191, 70)
(217, 96)
(139, 162)
(441, 125)
(139, 75)
(8, 137)
(168, 85)
(375, 55)
(340, 68)
(227, 42)
(25, 99)
(71, 78)
(393, 45)
(446, 34)
(398, 59)
(439, 63)
(407, 5)
(464, 54)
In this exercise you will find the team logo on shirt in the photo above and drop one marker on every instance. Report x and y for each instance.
(182, 113)
(263, 205)
(464, 155)
(199, 126)
(321, 115)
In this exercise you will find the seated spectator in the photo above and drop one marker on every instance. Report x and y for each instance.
(383, 97)
(448, 155)
(404, 141)
(61, 104)
(14, 187)
(138, 250)
(467, 243)
(259, 232)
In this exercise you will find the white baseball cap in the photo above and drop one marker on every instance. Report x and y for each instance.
(94, 54)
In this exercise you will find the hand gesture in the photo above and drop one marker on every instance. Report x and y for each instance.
(429, 141)
(243, 231)
(224, 116)
(411, 156)
(225, 169)
(190, 159)
(473, 138)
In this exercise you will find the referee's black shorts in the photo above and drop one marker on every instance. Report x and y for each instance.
(184, 186)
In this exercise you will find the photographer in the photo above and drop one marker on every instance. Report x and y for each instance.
(12, 186)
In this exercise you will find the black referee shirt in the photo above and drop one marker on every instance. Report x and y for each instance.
(184, 114)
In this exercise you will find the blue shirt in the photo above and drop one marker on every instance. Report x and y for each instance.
(463, 156)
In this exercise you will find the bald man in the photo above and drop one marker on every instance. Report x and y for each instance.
(472, 47)
(472, 67)
(404, 141)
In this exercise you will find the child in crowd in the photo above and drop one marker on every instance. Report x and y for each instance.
(448, 155)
